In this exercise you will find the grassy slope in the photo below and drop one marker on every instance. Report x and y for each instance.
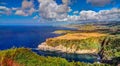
(78, 41)
(80, 36)
(25, 57)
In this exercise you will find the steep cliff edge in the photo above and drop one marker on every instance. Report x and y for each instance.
(63, 49)
(79, 43)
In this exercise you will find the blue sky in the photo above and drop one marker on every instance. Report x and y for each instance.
(34, 12)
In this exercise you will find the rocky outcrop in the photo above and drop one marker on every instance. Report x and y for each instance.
(60, 48)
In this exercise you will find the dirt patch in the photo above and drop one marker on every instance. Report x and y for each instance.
(79, 36)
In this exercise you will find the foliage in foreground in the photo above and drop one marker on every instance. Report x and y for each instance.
(25, 57)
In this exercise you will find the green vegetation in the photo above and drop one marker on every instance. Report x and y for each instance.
(81, 29)
(64, 31)
(112, 48)
(89, 43)
(87, 27)
(109, 46)
(102, 27)
(25, 57)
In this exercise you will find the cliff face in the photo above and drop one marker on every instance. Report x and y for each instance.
(111, 47)
(79, 43)
(61, 48)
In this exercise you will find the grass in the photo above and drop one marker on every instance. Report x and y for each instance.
(78, 41)
(25, 57)
(80, 36)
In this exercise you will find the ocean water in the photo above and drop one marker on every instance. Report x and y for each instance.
(31, 37)
(25, 36)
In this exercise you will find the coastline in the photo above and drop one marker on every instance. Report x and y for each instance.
(56, 44)
(43, 46)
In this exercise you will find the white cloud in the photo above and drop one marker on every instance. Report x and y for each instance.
(50, 10)
(66, 1)
(76, 12)
(31, 11)
(99, 2)
(27, 4)
(21, 13)
(5, 10)
(113, 14)
(87, 15)
(102, 15)
(14, 9)
(26, 9)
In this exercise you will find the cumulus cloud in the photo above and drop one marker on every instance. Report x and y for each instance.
(50, 10)
(14, 9)
(21, 13)
(5, 10)
(102, 15)
(66, 1)
(27, 4)
(31, 11)
(76, 12)
(87, 15)
(99, 2)
(26, 9)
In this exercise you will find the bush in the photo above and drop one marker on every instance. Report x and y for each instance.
(25, 57)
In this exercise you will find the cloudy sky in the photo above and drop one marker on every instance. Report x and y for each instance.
(42, 11)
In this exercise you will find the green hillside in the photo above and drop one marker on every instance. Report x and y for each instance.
(25, 57)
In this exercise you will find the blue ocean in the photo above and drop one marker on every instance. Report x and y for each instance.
(25, 36)
(31, 37)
